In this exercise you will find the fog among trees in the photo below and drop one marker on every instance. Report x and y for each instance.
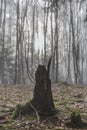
(32, 31)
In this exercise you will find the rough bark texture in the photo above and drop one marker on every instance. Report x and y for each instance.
(42, 98)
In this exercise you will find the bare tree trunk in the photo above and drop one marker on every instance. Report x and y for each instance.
(33, 40)
(1, 12)
(73, 44)
(3, 39)
(17, 46)
(38, 56)
(56, 42)
(69, 50)
(51, 32)
(22, 44)
(75, 48)
(46, 13)
(69, 57)
(52, 49)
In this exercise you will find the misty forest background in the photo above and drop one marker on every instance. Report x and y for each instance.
(31, 31)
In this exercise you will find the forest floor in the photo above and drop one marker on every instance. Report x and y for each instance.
(67, 98)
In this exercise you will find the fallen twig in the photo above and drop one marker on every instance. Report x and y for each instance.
(38, 118)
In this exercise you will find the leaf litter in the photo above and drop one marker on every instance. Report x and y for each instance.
(66, 98)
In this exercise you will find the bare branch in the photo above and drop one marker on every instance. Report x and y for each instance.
(30, 76)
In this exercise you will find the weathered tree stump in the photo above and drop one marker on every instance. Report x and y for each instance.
(42, 101)
(42, 98)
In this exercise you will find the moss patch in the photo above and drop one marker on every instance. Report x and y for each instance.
(22, 110)
(75, 121)
(17, 111)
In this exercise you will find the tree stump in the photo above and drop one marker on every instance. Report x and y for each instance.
(42, 98)
(42, 101)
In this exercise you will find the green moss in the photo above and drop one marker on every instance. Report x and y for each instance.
(17, 111)
(58, 129)
(76, 119)
(28, 110)
(10, 119)
(23, 110)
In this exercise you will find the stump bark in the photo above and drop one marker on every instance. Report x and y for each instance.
(42, 97)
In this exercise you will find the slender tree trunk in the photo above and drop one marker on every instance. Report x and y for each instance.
(52, 49)
(38, 56)
(56, 43)
(1, 12)
(73, 44)
(69, 51)
(46, 13)
(17, 45)
(3, 39)
(33, 40)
